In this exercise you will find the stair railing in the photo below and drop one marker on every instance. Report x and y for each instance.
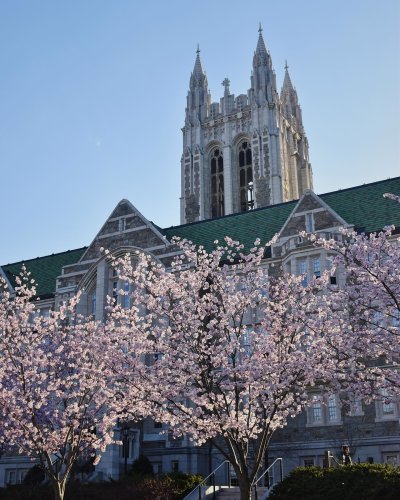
(211, 476)
(255, 485)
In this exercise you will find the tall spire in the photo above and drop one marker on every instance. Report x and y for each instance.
(263, 80)
(261, 49)
(287, 82)
(198, 67)
(289, 98)
(198, 98)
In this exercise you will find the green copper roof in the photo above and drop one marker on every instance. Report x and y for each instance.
(262, 223)
(44, 269)
(363, 206)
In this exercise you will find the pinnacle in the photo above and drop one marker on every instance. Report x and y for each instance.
(287, 82)
(198, 68)
(261, 48)
(287, 86)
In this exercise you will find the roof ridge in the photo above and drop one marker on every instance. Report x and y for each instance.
(361, 185)
(42, 257)
(236, 214)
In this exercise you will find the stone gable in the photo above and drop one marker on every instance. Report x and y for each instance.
(308, 203)
(324, 217)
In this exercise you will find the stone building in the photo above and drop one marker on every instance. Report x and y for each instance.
(373, 431)
(242, 152)
(245, 174)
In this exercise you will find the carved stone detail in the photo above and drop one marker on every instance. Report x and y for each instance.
(267, 167)
(262, 191)
(263, 115)
(192, 208)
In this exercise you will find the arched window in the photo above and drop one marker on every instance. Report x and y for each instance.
(217, 183)
(118, 289)
(92, 302)
(245, 177)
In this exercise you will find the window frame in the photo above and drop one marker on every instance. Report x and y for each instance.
(245, 176)
(326, 419)
(381, 415)
(309, 222)
(217, 182)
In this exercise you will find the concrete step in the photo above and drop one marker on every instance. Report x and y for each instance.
(226, 493)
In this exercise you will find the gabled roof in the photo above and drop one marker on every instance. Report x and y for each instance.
(110, 236)
(245, 227)
(44, 269)
(363, 206)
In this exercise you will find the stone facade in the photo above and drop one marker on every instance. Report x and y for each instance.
(243, 152)
(373, 432)
(125, 231)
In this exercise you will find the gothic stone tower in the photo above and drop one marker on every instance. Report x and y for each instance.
(245, 152)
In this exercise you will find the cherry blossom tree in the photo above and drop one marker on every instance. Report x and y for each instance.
(227, 351)
(363, 316)
(57, 395)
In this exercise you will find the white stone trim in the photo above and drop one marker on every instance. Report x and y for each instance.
(118, 233)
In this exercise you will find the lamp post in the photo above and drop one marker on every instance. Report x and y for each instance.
(125, 431)
(250, 199)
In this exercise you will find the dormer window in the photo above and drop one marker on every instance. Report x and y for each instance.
(310, 228)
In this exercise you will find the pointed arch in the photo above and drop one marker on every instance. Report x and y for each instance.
(111, 283)
(244, 169)
(216, 168)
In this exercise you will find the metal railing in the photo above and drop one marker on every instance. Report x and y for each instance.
(192, 495)
(196, 493)
(268, 476)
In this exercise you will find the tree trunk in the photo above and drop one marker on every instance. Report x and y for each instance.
(59, 489)
(245, 488)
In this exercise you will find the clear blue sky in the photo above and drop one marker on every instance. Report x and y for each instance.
(92, 98)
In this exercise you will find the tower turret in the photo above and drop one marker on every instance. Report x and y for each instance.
(263, 80)
(198, 96)
(289, 99)
(297, 170)
(242, 152)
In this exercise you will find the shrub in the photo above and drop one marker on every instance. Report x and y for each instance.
(142, 467)
(82, 467)
(27, 492)
(35, 476)
(167, 487)
(182, 483)
(366, 481)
